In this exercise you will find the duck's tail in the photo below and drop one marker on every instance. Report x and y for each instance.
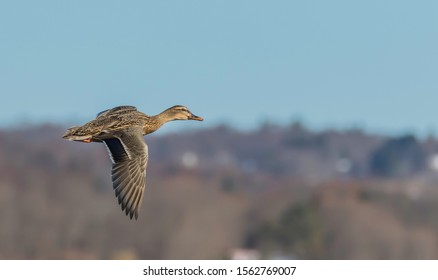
(72, 135)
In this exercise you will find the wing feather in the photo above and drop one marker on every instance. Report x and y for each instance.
(129, 156)
(118, 109)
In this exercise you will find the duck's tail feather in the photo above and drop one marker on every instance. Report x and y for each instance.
(72, 135)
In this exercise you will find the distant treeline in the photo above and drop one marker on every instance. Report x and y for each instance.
(281, 191)
(297, 151)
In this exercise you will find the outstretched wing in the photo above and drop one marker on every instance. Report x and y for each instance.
(116, 109)
(129, 156)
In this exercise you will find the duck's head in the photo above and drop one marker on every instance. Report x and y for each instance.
(179, 112)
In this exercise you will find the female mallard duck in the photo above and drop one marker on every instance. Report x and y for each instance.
(121, 129)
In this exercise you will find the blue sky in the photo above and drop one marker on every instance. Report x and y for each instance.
(372, 64)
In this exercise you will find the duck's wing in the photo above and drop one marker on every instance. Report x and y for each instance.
(118, 109)
(129, 156)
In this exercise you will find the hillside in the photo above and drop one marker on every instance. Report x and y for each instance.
(287, 192)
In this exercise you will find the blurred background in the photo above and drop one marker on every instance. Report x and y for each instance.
(318, 141)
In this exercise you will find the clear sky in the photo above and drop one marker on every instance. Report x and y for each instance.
(333, 63)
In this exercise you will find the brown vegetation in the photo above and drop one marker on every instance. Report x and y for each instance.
(287, 192)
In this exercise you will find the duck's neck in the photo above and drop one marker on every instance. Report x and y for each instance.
(157, 121)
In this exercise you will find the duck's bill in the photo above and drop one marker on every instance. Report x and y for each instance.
(196, 118)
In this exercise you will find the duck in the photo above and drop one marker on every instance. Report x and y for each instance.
(121, 130)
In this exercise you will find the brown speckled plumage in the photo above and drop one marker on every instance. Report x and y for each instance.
(121, 129)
